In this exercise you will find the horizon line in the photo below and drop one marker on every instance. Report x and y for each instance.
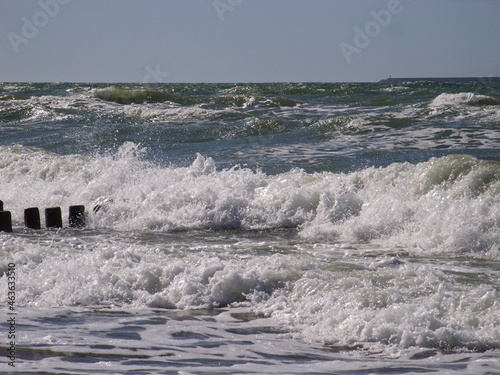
(385, 80)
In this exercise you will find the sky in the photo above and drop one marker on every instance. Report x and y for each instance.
(246, 40)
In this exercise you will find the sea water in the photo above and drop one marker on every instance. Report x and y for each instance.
(252, 228)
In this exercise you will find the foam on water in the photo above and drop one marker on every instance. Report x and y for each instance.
(467, 98)
(398, 305)
(337, 121)
(340, 296)
(448, 204)
(232, 341)
(466, 107)
(327, 244)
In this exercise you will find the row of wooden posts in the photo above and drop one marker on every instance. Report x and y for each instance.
(53, 218)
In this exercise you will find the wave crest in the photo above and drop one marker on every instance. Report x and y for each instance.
(122, 95)
(445, 204)
(463, 98)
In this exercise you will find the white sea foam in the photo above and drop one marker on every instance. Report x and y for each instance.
(326, 296)
(468, 98)
(395, 89)
(389, 267)
(344, 281)
(404, 306)
(446, 204)
(466, 106)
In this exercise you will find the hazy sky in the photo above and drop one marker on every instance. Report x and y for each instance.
(246, 40)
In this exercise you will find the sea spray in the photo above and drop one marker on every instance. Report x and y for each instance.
(349, 227)
(447, 204)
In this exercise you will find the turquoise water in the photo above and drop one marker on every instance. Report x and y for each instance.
(254, 228)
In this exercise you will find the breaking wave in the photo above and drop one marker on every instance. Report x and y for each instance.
(447, 204)
(463, 98)
(123, 95)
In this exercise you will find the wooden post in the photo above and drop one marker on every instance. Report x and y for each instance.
(77, 216)
(53, 217)
(32, 218)
(5, 221)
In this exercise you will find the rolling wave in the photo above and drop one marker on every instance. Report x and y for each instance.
(467, 98)
(447, 204)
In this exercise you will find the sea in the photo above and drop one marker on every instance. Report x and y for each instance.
(274, 228)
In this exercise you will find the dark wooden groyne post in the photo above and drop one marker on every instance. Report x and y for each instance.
(53, 217)
(32, 218)
(77, 216)
(5, 221)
